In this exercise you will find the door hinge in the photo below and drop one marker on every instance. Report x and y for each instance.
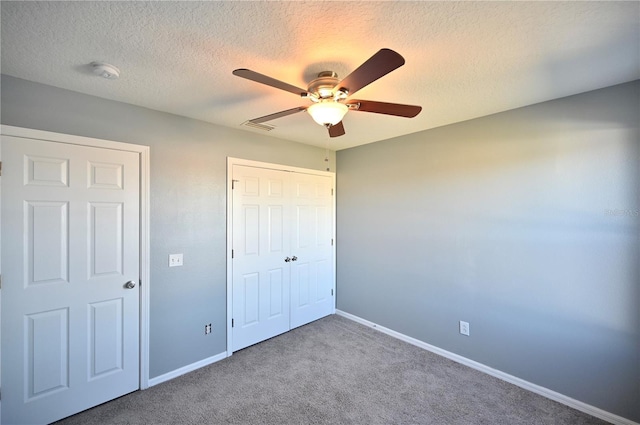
(233, 184)
(332, 292)
(232, 253)
(331, 191)
(331, 241)
(0, 168)
(232, 323)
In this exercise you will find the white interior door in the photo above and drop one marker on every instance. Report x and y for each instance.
(260, 245)
(282, 266)
(312, 272)
(70, 325)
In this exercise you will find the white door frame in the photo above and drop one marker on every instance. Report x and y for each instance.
(238, 161)
(145, 269)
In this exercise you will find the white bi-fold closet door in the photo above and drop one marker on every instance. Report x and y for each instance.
(282, 251)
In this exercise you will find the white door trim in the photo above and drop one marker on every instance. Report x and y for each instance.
(145, 269)
(238, 161)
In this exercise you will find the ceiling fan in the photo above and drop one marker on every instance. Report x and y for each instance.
(330, 96)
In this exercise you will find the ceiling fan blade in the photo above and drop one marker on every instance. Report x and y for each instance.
(278, 115)
(378, 65)
(397, 109)
(263, 79)
(336, 130)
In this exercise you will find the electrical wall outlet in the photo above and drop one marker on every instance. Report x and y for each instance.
(175, 260)
(464, 328)
(207, 329)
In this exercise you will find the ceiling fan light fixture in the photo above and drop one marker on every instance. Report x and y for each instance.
(327, 113)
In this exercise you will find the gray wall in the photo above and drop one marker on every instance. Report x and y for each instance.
(505, 222)
(188, 202)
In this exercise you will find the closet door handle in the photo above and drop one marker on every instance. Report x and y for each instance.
(294, 258)
(286, 260)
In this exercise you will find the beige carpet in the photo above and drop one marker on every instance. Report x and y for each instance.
(333, 371)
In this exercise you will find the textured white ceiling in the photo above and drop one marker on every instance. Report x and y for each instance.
(463, 59)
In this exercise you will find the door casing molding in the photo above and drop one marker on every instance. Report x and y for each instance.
(238, 161)
(145, 269)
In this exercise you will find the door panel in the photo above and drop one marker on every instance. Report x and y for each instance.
(47, 231)
(70, 328)
(105, 337)
(260, 287)
(105, 235)
(311, 276)
(47, 338)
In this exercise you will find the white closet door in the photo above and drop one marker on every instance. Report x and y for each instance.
(70, 325)
(283, 266)
(261, 242)
(312, 277)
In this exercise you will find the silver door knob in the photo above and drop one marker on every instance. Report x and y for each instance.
(130, 285)
(286, 260)
(294, 258)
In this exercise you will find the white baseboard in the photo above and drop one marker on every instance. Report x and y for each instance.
(186, 369)
(555, 396)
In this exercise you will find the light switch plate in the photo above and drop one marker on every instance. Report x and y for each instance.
(175, 260)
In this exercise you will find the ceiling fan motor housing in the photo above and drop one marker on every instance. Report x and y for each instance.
(322, 87)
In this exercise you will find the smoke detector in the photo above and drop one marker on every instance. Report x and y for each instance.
(105, 70)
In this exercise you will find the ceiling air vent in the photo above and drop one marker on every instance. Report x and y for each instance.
(265, 127)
